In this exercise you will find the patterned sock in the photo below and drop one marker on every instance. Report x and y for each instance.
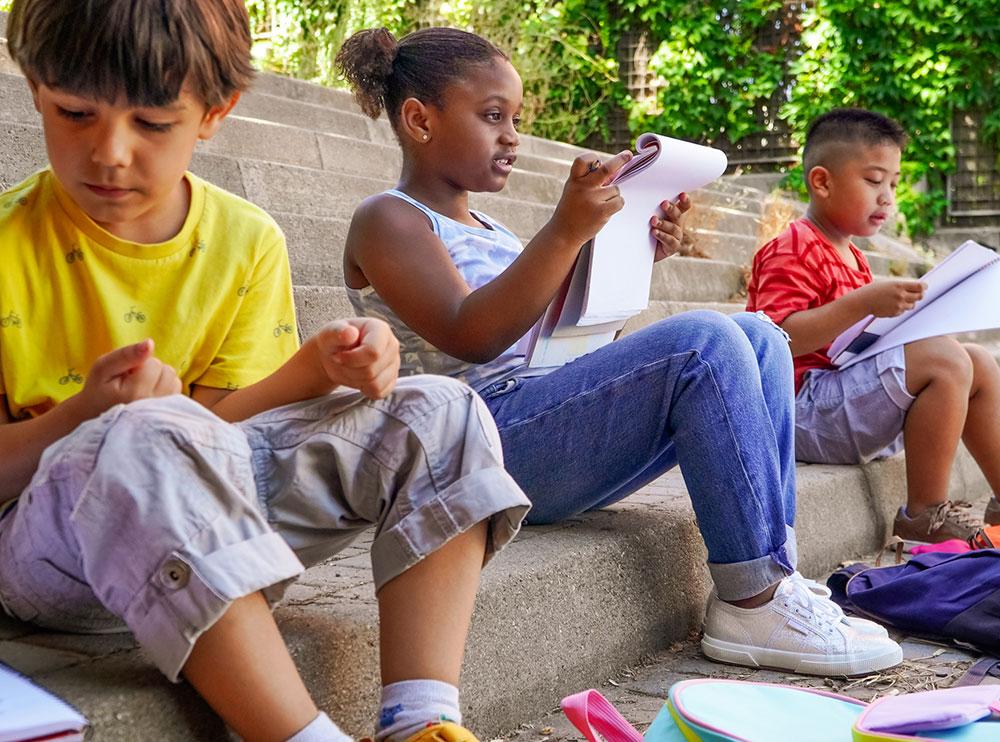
(320, 729)
(410, 705)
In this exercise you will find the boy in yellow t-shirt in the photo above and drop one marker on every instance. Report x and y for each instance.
(177, 491)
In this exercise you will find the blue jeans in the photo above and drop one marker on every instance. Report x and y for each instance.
(710, 392)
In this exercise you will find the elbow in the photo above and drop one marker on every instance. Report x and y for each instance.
(477, 355)
(474, 350)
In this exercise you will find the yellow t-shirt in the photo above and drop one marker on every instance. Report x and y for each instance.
(216, 299)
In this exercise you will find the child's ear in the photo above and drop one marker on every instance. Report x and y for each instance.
(818, 179)
(415, 121)
(215, 116)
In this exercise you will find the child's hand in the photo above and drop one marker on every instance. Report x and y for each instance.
(587, 200)
(668, 230)
(891, 298)
(361, 353)
(125, 375)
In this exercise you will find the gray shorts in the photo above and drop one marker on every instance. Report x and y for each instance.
(854, 415)
(158, 514)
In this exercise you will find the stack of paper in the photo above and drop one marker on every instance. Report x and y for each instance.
(28, 712)
(962, 295)
(612, 276)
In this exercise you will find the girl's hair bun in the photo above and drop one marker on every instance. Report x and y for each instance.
(365, 60)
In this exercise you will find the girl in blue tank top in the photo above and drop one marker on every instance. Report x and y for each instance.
(709, 392)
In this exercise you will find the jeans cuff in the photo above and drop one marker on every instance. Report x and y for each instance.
(742, 580)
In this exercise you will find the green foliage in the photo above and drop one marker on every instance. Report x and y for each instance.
(568, 90)
(301, 38)
(724, 70)
(918, 61)
(5, 6)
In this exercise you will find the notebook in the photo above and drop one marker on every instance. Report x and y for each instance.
(961, 296)
(611, 279)
(29, 712)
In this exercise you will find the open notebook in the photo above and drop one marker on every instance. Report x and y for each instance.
(28, 712)
(963, 295)
(613, 272)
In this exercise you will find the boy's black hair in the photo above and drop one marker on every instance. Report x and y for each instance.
(384, 72)
(144, 51)
(828, 134)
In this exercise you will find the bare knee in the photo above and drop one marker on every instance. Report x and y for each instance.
(985, 371)
(942, 361)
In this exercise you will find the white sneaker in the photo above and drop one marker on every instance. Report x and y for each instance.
(796, 631)
(822, 591)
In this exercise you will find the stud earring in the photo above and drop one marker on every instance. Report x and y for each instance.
(424, 137)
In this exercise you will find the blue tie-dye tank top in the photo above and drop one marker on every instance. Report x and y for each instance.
(480, 254)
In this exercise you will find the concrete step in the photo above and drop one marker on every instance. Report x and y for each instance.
(346, 147)
(624, 582)
(946, 239)
(695, 279)
(305, 199)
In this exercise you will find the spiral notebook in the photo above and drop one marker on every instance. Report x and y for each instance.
(962, 295)
(611, 279)
(29, 712)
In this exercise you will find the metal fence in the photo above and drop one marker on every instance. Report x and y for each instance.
(974, 187)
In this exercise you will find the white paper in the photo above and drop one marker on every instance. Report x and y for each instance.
(555, 340)
(604, 290)
(621, 264)
(27, 711)
(963, 295)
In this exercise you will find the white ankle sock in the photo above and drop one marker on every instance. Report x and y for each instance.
(320, 729)
(410, 705)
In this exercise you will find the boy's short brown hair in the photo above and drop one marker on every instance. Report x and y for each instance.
(142, 50)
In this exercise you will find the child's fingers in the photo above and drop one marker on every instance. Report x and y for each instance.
(357, 357)
(382, 385)
(122, 360)
(338, 334)
(608, 169)
(674, 211)
(584, 165)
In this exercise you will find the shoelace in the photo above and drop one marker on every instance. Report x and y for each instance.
(822, 593)
(821, 610)
(958, 511)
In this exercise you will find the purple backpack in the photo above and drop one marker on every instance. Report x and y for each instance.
(936, 595)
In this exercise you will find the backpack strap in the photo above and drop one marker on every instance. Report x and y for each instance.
(593, 714)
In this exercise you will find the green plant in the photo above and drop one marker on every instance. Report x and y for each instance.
(722, 71)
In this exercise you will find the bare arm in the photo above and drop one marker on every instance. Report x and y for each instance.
(360, 353)
(123, 375)
(812, 329)
(393, 246)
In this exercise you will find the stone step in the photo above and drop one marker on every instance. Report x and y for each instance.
(946, 239)
(304, 199)
(348, 147)
(625, 581)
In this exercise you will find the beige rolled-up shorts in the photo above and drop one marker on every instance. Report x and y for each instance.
(157, 515)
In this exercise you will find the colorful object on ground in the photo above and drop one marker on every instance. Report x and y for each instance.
(710, 710)
(952, 597)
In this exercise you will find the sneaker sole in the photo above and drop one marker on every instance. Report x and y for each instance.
(777, 659)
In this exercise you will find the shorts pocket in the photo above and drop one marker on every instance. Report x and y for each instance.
(50, 597)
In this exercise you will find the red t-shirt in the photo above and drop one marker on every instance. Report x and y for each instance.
(799, 269)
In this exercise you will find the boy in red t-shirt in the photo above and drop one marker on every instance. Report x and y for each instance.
(815, 283)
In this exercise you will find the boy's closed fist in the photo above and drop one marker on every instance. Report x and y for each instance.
(892, 297)
(361, 353)
(126, 375)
